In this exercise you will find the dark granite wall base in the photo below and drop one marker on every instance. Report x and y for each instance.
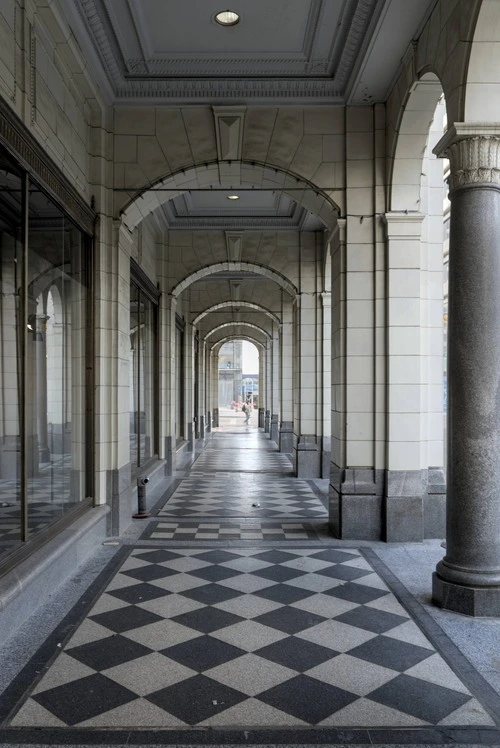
(119, 499)
(307, 456)
(215, 418)
(261, 418)
(267, 421)
(169, 449)
(274, 428)
(190, 436)
(286, 437)
(209, 422)
(395, 506)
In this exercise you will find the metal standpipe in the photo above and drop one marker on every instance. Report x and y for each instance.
(141, 498)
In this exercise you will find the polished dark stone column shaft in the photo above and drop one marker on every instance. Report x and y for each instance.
(467, 580)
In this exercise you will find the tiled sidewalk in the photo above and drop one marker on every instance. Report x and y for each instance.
(248, 638)
(258, 634)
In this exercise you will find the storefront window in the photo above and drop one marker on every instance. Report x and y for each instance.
(142, 385)
(11, 257)
(43, 355)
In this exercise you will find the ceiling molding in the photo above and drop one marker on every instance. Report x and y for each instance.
(137, 60)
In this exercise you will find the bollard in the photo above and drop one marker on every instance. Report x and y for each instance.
(141, 498)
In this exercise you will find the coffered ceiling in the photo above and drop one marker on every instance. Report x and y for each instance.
(282, 50)
(255, 209)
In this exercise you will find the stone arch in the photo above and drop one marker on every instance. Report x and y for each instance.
(237, 324)
(248, 337)
(235, 267)
(236, 304)
(482, 99)
(411, 141)
(442, 52)
(230, 175)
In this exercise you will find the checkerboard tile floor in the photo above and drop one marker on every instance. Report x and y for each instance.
(245, 530)
(232, 638)
(214, 496)
(246, 461)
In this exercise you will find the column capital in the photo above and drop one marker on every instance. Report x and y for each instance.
(474, 152)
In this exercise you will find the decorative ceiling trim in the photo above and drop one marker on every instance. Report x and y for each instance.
(276, 224)
(229, 123)
(210, 89)
(185, 77)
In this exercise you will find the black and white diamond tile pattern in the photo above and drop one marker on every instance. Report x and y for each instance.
(247, 637)
(210, 496)
(243, 530)
(246, 461)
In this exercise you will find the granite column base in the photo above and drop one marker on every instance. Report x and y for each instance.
(267, 421)
(261, 418)
(307, 456)
(119, 499)
(286, 437)
(274, 428)
(395, 506)
(170, 454)
(190, 436)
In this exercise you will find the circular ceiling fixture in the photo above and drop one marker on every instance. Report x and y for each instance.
(227, 18)
(233, 197)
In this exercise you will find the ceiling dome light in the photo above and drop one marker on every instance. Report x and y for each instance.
(233, 197)
(227, 18)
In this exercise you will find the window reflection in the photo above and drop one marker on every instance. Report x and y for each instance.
(142, 377)
(57, 291)
(42, 361)
(10, 356)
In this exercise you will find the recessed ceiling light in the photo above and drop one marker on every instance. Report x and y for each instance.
(233, 197)
(227, 18)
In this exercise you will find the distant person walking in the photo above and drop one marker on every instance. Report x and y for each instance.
(247, 410)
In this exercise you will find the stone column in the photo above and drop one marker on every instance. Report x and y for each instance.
(112, 314)
(326, 403)
(168, 391)
(467, 580)
(267, 380)
(201, 390)
(275, 384)
(307, 454)
(403, 505)
(214, 368)
(40, 338)
(286, 377)
(262, 386)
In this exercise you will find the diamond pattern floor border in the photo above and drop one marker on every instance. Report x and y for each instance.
(213, 497)
(252, 530)
(223, 638)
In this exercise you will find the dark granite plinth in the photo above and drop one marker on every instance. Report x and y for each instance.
(286, 437)
(469, 601)
(274, 428)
